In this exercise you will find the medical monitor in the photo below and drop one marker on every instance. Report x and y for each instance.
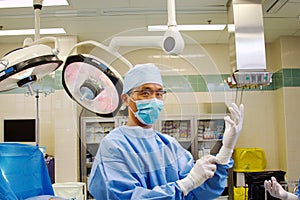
(19, 130)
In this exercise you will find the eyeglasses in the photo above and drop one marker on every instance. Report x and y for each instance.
(148, 93)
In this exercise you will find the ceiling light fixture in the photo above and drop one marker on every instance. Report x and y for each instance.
(231, 28)
(32, 31)
(147, 11)
(28, 3)
(203, 27)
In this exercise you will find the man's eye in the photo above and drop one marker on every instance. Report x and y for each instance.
(145, 93)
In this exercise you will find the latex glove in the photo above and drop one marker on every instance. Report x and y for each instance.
(233, 127)
(276, 190)
(203, 169)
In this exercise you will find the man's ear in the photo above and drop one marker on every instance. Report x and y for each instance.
(124, 98)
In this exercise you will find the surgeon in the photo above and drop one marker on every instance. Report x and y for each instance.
(276, 190)
(135, 161)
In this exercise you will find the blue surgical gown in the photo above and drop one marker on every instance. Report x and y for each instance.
(137, 163)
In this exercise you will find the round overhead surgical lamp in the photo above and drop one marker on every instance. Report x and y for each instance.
(93, 83)
(25, 65)
(32, 62)
(36, 59)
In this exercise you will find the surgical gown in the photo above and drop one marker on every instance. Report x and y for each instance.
(137, 163)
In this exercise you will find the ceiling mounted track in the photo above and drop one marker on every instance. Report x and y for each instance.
(273, 6)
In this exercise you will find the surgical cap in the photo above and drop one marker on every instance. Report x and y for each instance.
(141, 74)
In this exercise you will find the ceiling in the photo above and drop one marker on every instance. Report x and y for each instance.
(100, 19)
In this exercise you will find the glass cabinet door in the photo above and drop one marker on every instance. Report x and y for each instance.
(93, 130)
(181, 128)
(209, 131)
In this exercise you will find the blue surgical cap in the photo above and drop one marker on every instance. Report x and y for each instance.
(141, 74)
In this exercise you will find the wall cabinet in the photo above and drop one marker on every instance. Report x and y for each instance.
(201, 135)
(180, 127)
(209, 130)
(93, 130)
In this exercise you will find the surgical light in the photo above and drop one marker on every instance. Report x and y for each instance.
(28, 63)
(36, 59)
(92, 82)
(32, 62)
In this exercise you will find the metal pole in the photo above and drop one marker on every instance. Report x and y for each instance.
(37, 5)
(37, 118)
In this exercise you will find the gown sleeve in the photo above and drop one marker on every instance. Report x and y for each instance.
(213, 187)
(116, 175)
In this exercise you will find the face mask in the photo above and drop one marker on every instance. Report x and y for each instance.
(148, 110)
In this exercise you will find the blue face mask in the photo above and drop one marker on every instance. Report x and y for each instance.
(148, 110)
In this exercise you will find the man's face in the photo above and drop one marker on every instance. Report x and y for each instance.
(146, 91)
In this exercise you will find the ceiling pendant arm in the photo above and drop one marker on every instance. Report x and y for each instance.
(135, 41)
(37, 24)
(171, 13)
(37, 5)
(171, 42)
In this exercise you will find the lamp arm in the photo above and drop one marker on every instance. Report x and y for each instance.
(140, 41)
(101, 46)
(48, 40)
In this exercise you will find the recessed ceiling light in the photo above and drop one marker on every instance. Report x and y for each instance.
(202, 27)
(32, 31)
(29, 3)
(231, 28)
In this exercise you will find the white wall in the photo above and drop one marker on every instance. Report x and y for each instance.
(270, 116)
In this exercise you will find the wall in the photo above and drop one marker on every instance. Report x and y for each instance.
(270, 114)
(290, 62)
(204, 89)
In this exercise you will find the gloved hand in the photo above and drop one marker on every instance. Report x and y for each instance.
(203, 169)
(276, 190)
(233, 127)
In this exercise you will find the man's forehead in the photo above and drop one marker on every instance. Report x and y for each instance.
(150, 86)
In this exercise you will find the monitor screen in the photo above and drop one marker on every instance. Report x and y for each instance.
(19, 130)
